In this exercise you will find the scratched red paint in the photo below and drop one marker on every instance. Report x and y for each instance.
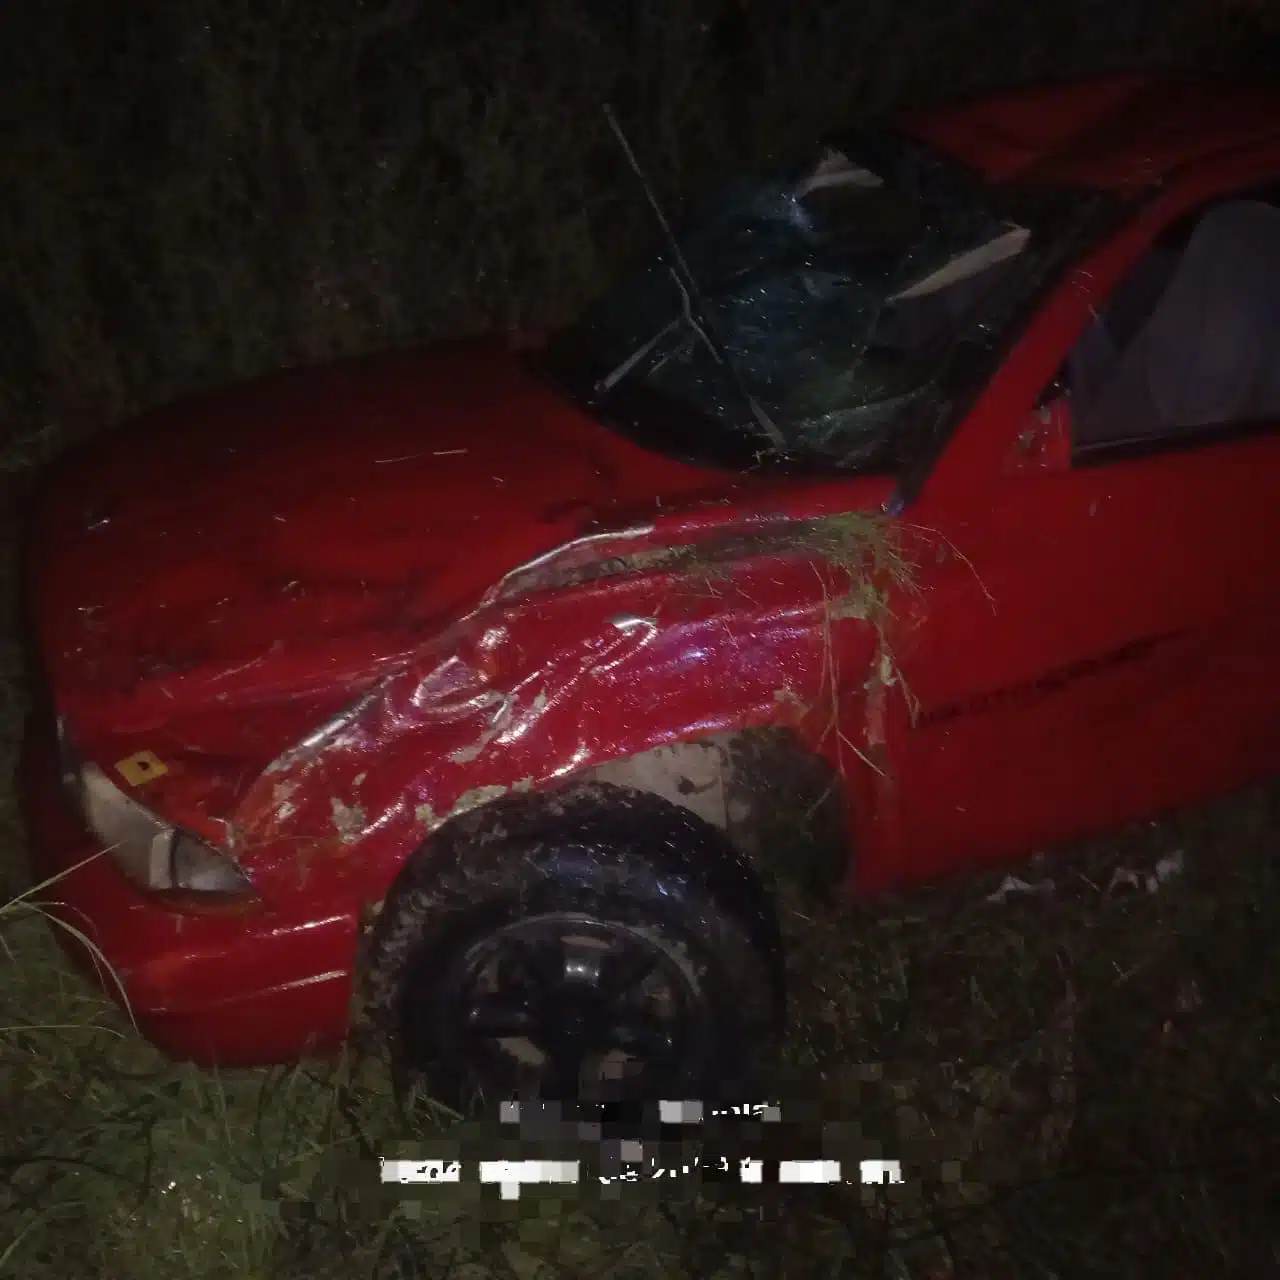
(225, 577)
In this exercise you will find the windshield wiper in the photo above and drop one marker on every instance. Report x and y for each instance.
(611, 379)
(695, 311)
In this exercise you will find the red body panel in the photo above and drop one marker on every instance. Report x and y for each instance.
(1120, 133)
(218, 583)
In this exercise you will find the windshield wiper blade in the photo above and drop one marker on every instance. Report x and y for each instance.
(611, 379)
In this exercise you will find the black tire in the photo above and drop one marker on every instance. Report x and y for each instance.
(507, 944)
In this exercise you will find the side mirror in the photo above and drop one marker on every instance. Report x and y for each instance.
(1043, 443)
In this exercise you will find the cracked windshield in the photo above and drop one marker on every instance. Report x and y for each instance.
(810, 319)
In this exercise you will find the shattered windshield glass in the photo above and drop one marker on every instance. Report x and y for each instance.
(828, 305)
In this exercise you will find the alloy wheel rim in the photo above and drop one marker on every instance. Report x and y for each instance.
(574, 1006)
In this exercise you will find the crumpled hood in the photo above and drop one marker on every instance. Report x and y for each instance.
(302, 532)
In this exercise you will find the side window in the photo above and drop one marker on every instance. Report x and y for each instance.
(1191, 337)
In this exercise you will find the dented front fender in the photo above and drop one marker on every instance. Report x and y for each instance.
(561, 673)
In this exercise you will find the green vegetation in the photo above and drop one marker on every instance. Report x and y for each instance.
(1084, 1078)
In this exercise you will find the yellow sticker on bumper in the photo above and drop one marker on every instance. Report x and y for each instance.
(141, 767)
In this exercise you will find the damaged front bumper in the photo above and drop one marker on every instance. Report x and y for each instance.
(216, 989)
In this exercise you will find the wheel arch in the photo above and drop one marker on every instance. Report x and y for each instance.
(779, 804)
(776, 803)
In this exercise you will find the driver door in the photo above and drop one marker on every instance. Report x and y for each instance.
(1097, 633)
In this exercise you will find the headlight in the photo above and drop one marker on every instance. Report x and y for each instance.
(154, 855)
(200, 868)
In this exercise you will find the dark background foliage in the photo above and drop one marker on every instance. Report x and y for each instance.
(197, 192)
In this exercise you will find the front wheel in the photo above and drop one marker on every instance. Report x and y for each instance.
(619, 950)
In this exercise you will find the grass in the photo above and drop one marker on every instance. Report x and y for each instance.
(1082, 1079)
